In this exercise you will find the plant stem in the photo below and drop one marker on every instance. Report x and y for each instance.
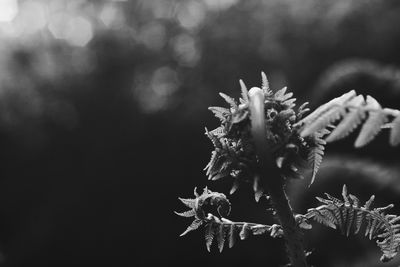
(292, 233)
(274, 182)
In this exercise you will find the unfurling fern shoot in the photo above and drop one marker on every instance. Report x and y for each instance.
(264, 141)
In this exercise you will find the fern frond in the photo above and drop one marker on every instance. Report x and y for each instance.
(193, 226)
(219, 228)
(213, 138)
(325, 119)
(350, 110)
(239, 116)
(302, 110)
(349, 216)
(232, 235)
(235, 152)
(244, 92)
(209, 235)
(213, 160)
(373, 124)
(218, 132)
(325, 217)
(395, 132)
(229, 100)
(350, 122)
(221, 237)
(265, 85)
(220, 112)
(189, 202)
(257, 188)
(369, 202)
(312, 118)
(189, 213)
(200, 203)
(316, 152)
(222, 230)
(245, 231)
(281, 94)
(290, 103)
(223, 157)
(235, 186)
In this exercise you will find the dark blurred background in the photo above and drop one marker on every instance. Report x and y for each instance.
(103, 106)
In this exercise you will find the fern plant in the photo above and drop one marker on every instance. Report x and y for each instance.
(264, 141)
(349, 216)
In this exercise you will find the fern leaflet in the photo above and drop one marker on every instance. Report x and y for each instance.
(349, 216)
(312, 119)
(373, 124)
(395, 132)
(245, 92)
(316, 152)
(224, 231)
(265, 85)
(350, 110)
(302, 110)
(349, 122)
(220, 112)
(229, 100)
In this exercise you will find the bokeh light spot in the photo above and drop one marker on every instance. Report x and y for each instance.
(8, 10)
(31, 18)
(76, 31)
(112, 16)
(164, 81)
(79, 31)
(58, 23)
(185, 50)
(154, 92)
(191, 14)
(153, 35)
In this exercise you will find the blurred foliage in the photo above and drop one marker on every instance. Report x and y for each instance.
(102, 99)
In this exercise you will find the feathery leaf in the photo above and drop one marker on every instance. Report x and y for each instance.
(395, 132)
(189, 213)
(229, 100)
(221, 237)
(348, 215)
(244, 91)
(209, 235)
(221, 230)
(350, 121)
(189, 202)
(350, 110)
(195, 224)
(316, 152)
(316, 114)
(373, 124)
(265, 85)
(220, 112)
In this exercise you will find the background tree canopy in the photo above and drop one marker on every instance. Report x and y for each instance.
(103, 106)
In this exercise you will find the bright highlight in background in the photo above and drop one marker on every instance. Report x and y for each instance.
(8, 10)
(76, 31)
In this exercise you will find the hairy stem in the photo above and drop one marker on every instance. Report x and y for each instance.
(292, 234)
(274, 182)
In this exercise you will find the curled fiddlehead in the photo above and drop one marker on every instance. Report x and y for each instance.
(217, 227)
